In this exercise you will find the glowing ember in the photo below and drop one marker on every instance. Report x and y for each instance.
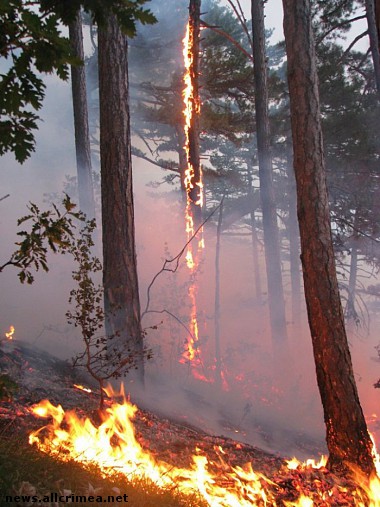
(82, 388)
(9, 335)
(294, 464)
(113, 446)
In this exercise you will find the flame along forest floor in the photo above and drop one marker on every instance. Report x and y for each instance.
(22, 467)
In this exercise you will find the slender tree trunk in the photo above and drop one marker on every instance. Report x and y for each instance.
(377, 16)
(82, 136)
(218, 359)
(255, 241)
(347, 435)
(373, 39)
(351, 314)
(182, 158)
(294, 244)
(271, 236)
(122, 305)
(193, 131)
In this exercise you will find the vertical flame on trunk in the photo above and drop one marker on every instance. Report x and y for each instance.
(9, 335)
(194, 188)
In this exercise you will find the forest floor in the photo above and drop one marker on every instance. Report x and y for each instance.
(25, 470)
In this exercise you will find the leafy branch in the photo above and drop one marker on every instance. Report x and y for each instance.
(52, 230)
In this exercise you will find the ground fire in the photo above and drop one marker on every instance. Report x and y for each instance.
(114, 446)
(10, 333)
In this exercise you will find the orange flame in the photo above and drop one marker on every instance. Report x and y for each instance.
(113, 446)
(82, 388)
(191, 109)
(9, 335)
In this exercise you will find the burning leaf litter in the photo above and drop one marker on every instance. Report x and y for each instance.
(114, 445)
(9, 335)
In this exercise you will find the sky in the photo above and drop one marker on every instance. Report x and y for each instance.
(273, 20)
(273, 13)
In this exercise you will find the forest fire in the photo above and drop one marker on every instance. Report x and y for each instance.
(10, 333)
(82, 388)
(113, 445)
(192, 183)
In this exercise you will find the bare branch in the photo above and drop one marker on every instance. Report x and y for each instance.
(5, 196)
(229, 37)
(240, 15)
(357, 39)
(175, 259)
(336, 27)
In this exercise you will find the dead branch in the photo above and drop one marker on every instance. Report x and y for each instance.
(229, 37)
(240, 15)
(336, 27)
(163, 164)
(5, 196)
(357, 39)
(175, 259)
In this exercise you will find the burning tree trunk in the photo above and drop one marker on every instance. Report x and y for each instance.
(347, 435)
(122, 305)
(271, 237)
(193, 178)
(82, 136)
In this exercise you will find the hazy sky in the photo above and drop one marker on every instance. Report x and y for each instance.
(273, 12)
(274, 15)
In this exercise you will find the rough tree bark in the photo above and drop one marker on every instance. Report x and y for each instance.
(82, 136)
(373, 38)
(268, 204)
(347, 435)
(121, 294)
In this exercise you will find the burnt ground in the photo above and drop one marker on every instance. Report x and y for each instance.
(39, 375)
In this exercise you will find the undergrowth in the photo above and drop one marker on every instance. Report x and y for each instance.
(24, 469)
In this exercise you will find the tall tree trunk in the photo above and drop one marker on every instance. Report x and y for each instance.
(351, 313)
(82, 136)
(121, 294)
(255, 240)
(347, 435)
(218, 359)
(271, 236)
(182, 158)
(373, 39)
(193, 131)
(294, 243)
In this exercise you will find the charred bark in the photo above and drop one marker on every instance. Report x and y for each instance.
(268, 204)
(347, 435)
(122, 304)
(82, 135)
